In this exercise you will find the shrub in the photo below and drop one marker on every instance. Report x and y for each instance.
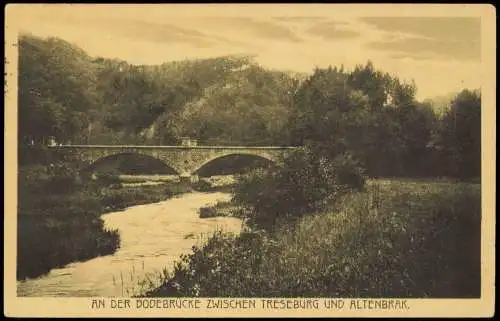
(58, 178)
(32, 178)
(114, 201)
(205, 272)
(32, 155)
(222, 209)
(63, 178)
(305, 183)
(349, 171)
(203, 186)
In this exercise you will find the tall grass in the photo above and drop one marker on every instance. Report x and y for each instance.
(395, 239)
(223, 209)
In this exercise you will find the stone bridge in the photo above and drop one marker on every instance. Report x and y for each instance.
(185, 160)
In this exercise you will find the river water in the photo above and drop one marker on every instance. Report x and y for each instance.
(153, 236)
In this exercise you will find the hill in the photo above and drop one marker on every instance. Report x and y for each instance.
(84, 99)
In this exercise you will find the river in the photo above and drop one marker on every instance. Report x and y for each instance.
(153, 236)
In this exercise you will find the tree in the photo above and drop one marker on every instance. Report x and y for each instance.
(460, 138)
(56, 88)
(366, 112)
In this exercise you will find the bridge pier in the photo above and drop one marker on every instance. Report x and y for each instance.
(188, 179)
(185, 178)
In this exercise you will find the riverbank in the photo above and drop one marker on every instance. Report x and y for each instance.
(415, 239)
(152, 237)
(55, 229)
(59, 221)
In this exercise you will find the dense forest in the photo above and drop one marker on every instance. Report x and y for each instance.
(372, 115)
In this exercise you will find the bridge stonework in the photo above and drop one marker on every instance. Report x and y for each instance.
(184, 160)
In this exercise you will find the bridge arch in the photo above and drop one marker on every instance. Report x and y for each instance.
(256, 155)
(100, 160)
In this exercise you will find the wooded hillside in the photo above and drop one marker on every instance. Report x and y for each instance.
(66, 94)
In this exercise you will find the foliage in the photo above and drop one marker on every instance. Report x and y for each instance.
(223, 209)
(349, 171)
(367, 112)
(33, 155)
(395, 239)
(305, 183)
(251, 106)
(460, 136)
(52, 178)
(56, 89)
(75, 98)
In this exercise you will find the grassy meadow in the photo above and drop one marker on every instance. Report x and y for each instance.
(396, 238)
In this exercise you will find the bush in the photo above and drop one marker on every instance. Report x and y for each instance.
(203, 186)
(63, 178)
(222, 209)
(56, 178)
(305, 183)
(349, 171)
(115, 201)
(32, 155)
(32, 178)
(208, 272)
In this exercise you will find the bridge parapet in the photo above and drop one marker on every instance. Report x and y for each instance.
(168, 147)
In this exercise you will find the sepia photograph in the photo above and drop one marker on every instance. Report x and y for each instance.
(265, 158)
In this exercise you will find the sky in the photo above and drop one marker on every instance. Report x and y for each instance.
(440, 52)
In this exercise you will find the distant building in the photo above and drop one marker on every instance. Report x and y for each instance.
(52, 141)
(188, 142)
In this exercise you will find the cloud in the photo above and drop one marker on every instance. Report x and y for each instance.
(330, 31)
(257, 28)
(413, 56)
(299, 19)
(429, 37)
(162, 33)
(138, 29)
(433, 27)
(419, 48)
